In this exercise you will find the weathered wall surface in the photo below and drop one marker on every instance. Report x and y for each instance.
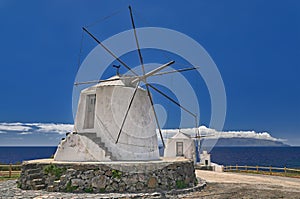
(107, 177)
(188, 148)
(138, 140)
(79, 148)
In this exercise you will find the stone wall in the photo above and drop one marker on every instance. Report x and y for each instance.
(107, 177)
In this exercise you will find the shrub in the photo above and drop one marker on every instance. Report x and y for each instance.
(180, 184)
(116, 174)
(54, 170)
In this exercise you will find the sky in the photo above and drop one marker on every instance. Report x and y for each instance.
(255, 45)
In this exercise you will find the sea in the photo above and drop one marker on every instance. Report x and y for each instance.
(252, 156)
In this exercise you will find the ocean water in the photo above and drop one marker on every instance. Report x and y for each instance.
(262, 156)
(18, 154)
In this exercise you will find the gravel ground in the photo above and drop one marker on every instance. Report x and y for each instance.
(219, 185)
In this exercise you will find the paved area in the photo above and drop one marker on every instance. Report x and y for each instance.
(261, 181)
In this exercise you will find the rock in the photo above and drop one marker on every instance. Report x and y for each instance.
(109, 189)
(77, 182)
(108, 173)
(152, 182)
(141, 177)
(132, 189)
(99, 177)
(139, 186)
(187, 180)
(122, 187)
(115, 186)
(99, 182)
(132, 179)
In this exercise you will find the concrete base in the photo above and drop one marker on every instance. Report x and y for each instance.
(108, 177)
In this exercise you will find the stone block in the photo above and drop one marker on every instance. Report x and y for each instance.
(152, 182)
(99, 182)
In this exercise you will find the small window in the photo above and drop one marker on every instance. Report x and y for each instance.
(90, 111)
(179, 148)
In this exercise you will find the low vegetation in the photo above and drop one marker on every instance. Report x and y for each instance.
(13, 177)
(293, 174)
(54, 170)
(180, 184)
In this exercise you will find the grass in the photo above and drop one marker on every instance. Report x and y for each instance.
(287, 174)
(13, 177)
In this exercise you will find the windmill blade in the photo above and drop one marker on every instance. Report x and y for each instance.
(151, 73)
(127, 111)
(176, 71)
(155, 115)
(136, 40)
(172, 100)
(109, 51)
(144, 76)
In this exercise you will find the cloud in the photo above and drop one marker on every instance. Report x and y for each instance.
(30, 128)
(55, 128)
(14, 127)
(45, 131)
(209, 133)
(25, 133)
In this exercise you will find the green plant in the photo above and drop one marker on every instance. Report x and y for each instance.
(88, 190)
(13, 177)
(102, 190)
(54, 170)
(70, 188)
(180, 184)
(116, 174)
(196, 181)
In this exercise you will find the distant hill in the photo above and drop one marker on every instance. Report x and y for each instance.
(240, 142)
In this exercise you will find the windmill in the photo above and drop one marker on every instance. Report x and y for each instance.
(123, 120)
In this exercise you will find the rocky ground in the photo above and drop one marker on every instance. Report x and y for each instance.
(219, 185)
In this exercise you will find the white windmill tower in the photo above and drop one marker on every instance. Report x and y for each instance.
(116, 119)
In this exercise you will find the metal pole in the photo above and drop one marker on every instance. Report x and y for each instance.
(10, 169)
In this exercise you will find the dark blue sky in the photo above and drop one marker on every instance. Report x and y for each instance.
(255, 44)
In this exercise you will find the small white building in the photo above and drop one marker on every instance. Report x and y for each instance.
(205, 159)
(180, 145)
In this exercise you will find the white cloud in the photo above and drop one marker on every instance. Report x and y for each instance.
(14, 127)
(61, 129)
(30, 128)
(209, 133)
(55, 128)
(25, 133)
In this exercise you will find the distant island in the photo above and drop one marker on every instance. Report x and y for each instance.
(248, 142)
(232, 138)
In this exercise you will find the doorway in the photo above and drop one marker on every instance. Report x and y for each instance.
(90, 111)
(179, 148)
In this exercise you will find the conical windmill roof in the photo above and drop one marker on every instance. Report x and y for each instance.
(181, 135)
(115, 81)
